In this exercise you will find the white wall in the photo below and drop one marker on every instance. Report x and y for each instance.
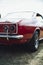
(7, 6)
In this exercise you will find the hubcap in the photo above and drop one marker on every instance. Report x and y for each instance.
(36, 41)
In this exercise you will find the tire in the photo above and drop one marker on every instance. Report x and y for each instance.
(35, 44)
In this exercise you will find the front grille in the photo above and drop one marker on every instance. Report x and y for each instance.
(8, 28)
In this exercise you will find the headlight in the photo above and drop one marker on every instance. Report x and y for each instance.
(6, 28)
(12, 28)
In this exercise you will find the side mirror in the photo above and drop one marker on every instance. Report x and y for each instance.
(39, 15)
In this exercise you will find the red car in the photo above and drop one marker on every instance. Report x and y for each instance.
(20, 28)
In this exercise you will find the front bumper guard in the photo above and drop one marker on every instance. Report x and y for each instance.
(12, 36)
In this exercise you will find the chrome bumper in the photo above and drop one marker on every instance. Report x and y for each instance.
(12, 36)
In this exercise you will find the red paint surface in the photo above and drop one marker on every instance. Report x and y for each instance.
(26, 31)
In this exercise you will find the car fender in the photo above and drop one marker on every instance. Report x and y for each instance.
(37, 29)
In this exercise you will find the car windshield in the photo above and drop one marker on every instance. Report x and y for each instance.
(20, 15)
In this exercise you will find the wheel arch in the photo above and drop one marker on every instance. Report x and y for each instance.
(37, 29)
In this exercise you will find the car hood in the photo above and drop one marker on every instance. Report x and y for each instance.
(27, 22)
(13, 20)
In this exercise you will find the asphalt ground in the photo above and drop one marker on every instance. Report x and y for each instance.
(18, 55)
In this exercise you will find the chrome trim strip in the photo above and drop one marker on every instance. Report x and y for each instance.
(13, 36)
(40, 39)
(8, 33)
(16, 28)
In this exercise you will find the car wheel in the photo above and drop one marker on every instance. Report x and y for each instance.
(35, 44)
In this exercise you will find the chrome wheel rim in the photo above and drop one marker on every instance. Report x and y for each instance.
(36, 41)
